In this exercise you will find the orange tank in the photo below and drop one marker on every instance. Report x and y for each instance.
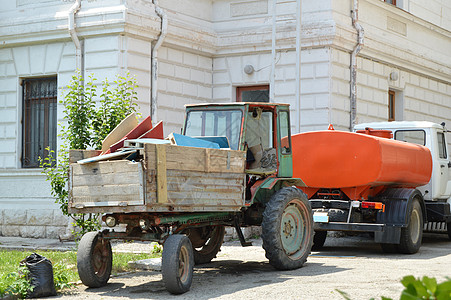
(344, 160)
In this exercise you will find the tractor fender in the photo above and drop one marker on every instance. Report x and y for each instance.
(263, 189)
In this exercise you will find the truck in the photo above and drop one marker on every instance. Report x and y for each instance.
(183, 194)
(391, 179)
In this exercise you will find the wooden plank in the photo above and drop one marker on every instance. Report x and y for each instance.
(195, 159)
(76, 155)
(105, 179)
(124, 127)
(107, 190)
(106, 167)
(162, 196)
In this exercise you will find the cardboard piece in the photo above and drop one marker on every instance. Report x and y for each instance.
(183, 140)
(124, 127)
(136, 132)
(155, 133)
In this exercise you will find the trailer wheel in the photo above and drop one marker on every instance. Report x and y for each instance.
(287, 229)
(94, 260)
(319, 238)
(206, 242)
(177, 264)
(412, 235)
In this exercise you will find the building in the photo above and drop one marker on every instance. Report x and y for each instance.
(212, 51)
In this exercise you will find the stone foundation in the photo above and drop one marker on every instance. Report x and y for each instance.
(34, 223)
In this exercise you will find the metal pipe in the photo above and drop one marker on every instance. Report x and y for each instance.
(298, 65)
(355, 52)
(154, 61)
(273, 53)
(73, 33)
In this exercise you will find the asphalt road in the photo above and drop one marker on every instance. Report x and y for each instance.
(354, 265)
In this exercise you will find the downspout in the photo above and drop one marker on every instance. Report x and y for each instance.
(355, 52)
(154, 61)
(298, 65)
(73, 34)
(273, 53)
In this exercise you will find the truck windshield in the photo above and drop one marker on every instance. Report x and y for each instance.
(215, 123)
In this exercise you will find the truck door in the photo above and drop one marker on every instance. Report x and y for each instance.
(445, 185)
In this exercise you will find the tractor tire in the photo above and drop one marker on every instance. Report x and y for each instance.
(177, 264)
(206, 241)
(412, 235)
(287, 229)
(319, 238)
(94, 260)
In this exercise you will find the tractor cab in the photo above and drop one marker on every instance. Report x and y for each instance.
(260, 129)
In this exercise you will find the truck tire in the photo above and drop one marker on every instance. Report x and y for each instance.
(412, 235)
(177, 264)
(94, 260)
(319, 238)
(287, 229)
(206, 241)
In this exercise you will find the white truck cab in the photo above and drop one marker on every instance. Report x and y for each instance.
(437, 193)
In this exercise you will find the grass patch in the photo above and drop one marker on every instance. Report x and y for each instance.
(64, 265)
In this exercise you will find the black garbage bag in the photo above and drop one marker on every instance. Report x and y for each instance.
(41, 276)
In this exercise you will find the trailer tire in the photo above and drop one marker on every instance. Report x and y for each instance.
(412, 235)
(94, 260)
(177, 263)
(287, 229)
(205, 248)
(319, 238)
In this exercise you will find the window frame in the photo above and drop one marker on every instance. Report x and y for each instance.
(241, 89)
(48, 102)
(391, 105)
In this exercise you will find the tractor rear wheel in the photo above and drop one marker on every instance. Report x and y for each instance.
(287, 229)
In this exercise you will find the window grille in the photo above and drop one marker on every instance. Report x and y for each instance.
(39, 119)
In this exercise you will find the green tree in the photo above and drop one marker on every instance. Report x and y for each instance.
(85, 127)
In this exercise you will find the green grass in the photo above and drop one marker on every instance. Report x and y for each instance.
(10, 260)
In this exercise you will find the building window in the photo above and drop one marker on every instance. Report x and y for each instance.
(391, 105)
(39, 119)
(258, 93)
(391, 2)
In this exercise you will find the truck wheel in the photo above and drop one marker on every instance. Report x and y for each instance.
(177, 264)
(287, 229)
(412, 235)
(319, 238)
(94, 260)
(389, 248)
(206, 242)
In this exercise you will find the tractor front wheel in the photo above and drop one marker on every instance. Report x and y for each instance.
(287, 229)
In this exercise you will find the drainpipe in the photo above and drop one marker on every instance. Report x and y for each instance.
(73, 33)
(298, 65)
(273, 53)
(154, 60)
(355, 52)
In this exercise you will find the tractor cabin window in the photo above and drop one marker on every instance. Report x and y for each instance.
(258, 93)
(39, 119)
(391, 105)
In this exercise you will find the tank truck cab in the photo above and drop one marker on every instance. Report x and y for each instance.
(437, 192)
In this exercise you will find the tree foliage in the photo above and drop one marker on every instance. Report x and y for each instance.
(86, 126)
